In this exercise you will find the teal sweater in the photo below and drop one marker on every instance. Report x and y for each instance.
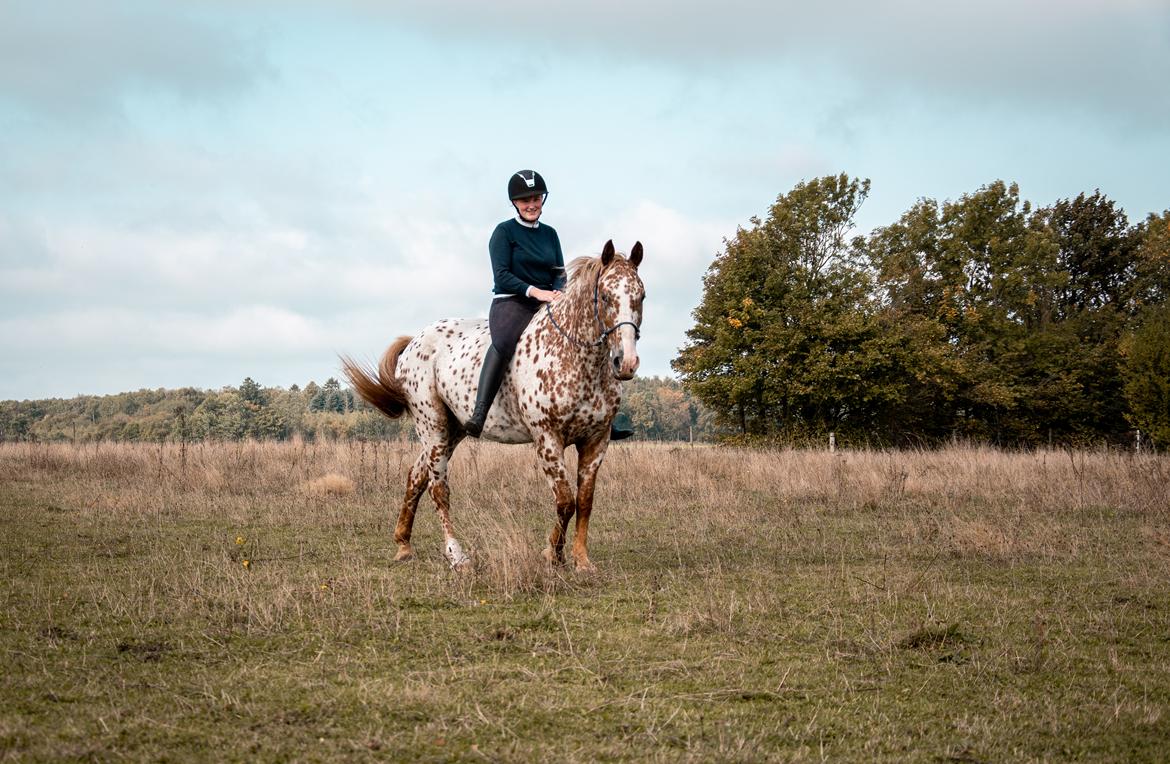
(524, 257)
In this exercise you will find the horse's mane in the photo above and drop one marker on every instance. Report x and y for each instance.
(583, 270)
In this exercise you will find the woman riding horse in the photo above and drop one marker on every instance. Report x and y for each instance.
(528, 268)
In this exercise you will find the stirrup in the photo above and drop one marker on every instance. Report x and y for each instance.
(619, 433)
(474, 426)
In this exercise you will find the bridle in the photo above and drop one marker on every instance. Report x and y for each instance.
(597, 315)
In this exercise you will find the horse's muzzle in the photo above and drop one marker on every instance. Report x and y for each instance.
(623, 369)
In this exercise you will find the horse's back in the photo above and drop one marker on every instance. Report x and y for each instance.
(446, 353)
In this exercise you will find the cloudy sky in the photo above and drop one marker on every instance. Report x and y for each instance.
(195, 192)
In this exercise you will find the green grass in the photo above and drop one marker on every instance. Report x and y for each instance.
(966, 606)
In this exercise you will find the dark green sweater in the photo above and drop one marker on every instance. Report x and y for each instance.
(524, 257)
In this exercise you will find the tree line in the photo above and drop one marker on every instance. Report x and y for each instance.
(986, 318)
(657, 409)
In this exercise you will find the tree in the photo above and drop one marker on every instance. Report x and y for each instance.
(250, 392)
(334, 397)
(1146, 370)
(968, 289)
(1096, 253)
(784, 329)
(1076, 381)
(1152, 262)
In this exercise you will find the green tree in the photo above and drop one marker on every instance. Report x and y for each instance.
(966, 289)
(783, 338)
(251, 392)
(1152, 262)
(1146, 370)
(334, 397)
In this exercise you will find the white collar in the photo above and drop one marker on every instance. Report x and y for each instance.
(526, 224)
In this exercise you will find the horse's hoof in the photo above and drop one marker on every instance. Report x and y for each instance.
(586, 568)
(459, 560)
(551, 557)
(404, 553)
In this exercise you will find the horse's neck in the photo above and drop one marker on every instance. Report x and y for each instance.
(576, 315)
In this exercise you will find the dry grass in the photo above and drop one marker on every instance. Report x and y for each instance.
(239, 601)
(330, 485)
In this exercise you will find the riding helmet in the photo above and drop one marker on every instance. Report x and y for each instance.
(526, 183)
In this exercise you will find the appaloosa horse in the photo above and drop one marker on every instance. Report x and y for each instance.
(562, 387)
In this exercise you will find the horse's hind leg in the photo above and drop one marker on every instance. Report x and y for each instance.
(440, 456)
(416, 483)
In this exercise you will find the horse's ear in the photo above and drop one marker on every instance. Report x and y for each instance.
(607, 253)
(636, 254)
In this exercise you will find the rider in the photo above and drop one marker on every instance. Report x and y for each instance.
(528, 267)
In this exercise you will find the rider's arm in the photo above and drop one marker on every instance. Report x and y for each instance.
(559, 270)
(500, 250)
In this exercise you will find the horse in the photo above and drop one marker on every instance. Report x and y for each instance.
(562, 388)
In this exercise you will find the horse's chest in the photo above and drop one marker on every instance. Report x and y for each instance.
(573, 393)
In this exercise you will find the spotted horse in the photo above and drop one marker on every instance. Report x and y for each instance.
(562, 388)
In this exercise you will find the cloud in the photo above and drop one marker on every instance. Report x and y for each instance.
(1087, 56)
(244, 331)
(83, 61)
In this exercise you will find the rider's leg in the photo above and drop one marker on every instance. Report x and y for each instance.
(490, 377)
(507, 319)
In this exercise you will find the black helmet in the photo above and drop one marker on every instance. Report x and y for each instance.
(526, 183)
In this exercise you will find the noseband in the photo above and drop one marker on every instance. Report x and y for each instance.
(596, 314)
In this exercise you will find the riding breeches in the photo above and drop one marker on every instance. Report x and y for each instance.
(506, 321)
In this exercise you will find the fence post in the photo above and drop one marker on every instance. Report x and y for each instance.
(832, 442)
(1137, 441)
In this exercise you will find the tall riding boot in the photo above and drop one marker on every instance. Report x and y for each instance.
(618, 430)
(490, 377)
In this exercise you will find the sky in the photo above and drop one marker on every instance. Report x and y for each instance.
(193, 193)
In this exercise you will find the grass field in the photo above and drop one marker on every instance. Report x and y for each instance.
(239, 602)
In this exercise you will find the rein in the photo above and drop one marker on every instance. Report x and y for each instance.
(596, 314)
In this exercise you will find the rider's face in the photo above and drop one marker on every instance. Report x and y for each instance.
(530, 207)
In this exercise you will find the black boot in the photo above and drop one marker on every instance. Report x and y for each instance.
(618, 429)
(490, 377)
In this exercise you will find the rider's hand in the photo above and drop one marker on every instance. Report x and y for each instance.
(544, 295)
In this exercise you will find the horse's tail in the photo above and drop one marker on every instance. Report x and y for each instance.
(380, 388)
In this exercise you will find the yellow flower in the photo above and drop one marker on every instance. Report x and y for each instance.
(735, 322)
(246, 563)
(324, 587)
(239, 540)
(747, 302)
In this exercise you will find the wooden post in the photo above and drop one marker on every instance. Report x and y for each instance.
(832, 442)
(1137, 441)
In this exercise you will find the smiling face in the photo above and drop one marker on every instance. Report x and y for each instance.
(529, 207)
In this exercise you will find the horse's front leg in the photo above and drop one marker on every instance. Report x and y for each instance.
(551, 455)
(589, 458)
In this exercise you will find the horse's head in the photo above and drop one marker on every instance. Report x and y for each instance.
(619, 307)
